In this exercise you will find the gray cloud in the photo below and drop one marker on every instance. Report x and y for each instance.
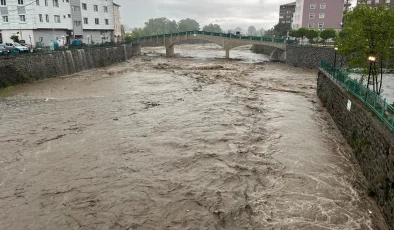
(227, 13)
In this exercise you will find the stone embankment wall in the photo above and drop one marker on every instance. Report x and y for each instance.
(26, 68)
(311, 56)
(371, 140)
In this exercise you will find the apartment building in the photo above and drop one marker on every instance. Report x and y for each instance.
(375, 2)
(117, 23)
(286, 12)
(318, 14)
(40, 21)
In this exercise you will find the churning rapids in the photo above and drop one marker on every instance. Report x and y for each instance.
(178, 143)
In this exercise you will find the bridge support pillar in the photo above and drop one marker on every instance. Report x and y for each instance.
(227, 53)
(170, 51)
(136, 49)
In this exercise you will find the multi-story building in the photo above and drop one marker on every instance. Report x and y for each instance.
(40, 21)
(376, 2)
(118, 24)
(318, 14)
(286, 12)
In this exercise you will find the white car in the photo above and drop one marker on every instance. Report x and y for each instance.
(16, 46)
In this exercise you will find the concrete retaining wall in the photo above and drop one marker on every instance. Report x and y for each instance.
(274, 53)
(371, 140)
(26, 68)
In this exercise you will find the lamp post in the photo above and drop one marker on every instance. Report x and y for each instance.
(372, 61)
(335, 56)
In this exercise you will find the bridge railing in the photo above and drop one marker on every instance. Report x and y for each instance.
(226, 35)
(374, 101)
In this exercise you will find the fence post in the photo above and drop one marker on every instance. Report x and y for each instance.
(384, 107)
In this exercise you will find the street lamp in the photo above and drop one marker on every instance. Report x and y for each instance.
(372, 60)
(335, 56)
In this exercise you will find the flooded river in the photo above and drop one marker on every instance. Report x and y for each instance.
(192, 142)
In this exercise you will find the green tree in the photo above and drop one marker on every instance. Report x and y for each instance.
(368, 32)
(137, 32)
(156, 26)
(282, 29)
(294, 33)
(311, 34)
(252, 31)
(215, 28)
(328, 34)
(188, 25)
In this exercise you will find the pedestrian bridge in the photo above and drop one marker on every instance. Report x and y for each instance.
(227, 41)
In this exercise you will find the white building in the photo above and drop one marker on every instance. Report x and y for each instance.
(61, 20)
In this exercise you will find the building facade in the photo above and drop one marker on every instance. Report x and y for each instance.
(42, 21)
(376, 2)
(286, 12)
(318, 14)
(118, 24)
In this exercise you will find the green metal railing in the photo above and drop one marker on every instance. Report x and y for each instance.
(226, 35)
(378, 105)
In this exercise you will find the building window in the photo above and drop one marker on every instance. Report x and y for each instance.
(47, 18)
(3, 2)
(77, 23)
(46, 2)
(40, 17)
(20, 2)
(96, 21)
(377, 1)
(322, 15)
(5, 18)
(56, 3)
(22, 18)
(85, 21)
(106, 22)
(76, 8)
(323, 6)
(57, 18)
(84, 6)
(312, 6)
(387, 1)
(105, 9)
(321, 25)
(310, 25)
(38, 2)
(95, 8)
(311, 16)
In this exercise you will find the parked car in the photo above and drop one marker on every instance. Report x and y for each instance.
(10, 46)
(3, 50)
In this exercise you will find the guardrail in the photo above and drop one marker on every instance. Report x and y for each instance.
(376, 103)
(226, 35)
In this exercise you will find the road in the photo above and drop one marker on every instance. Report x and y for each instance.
(192, 142)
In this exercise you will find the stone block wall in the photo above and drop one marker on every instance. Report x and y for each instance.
(371, 140)
(26, 68)
(311, 56)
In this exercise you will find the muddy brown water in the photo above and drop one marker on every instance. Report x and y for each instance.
(178, 143)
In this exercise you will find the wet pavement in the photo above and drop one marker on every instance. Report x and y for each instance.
(178, 143)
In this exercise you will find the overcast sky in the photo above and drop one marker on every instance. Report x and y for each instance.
(229, 14)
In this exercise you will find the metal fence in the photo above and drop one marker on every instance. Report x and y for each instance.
(374, 101)
(226, 35)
